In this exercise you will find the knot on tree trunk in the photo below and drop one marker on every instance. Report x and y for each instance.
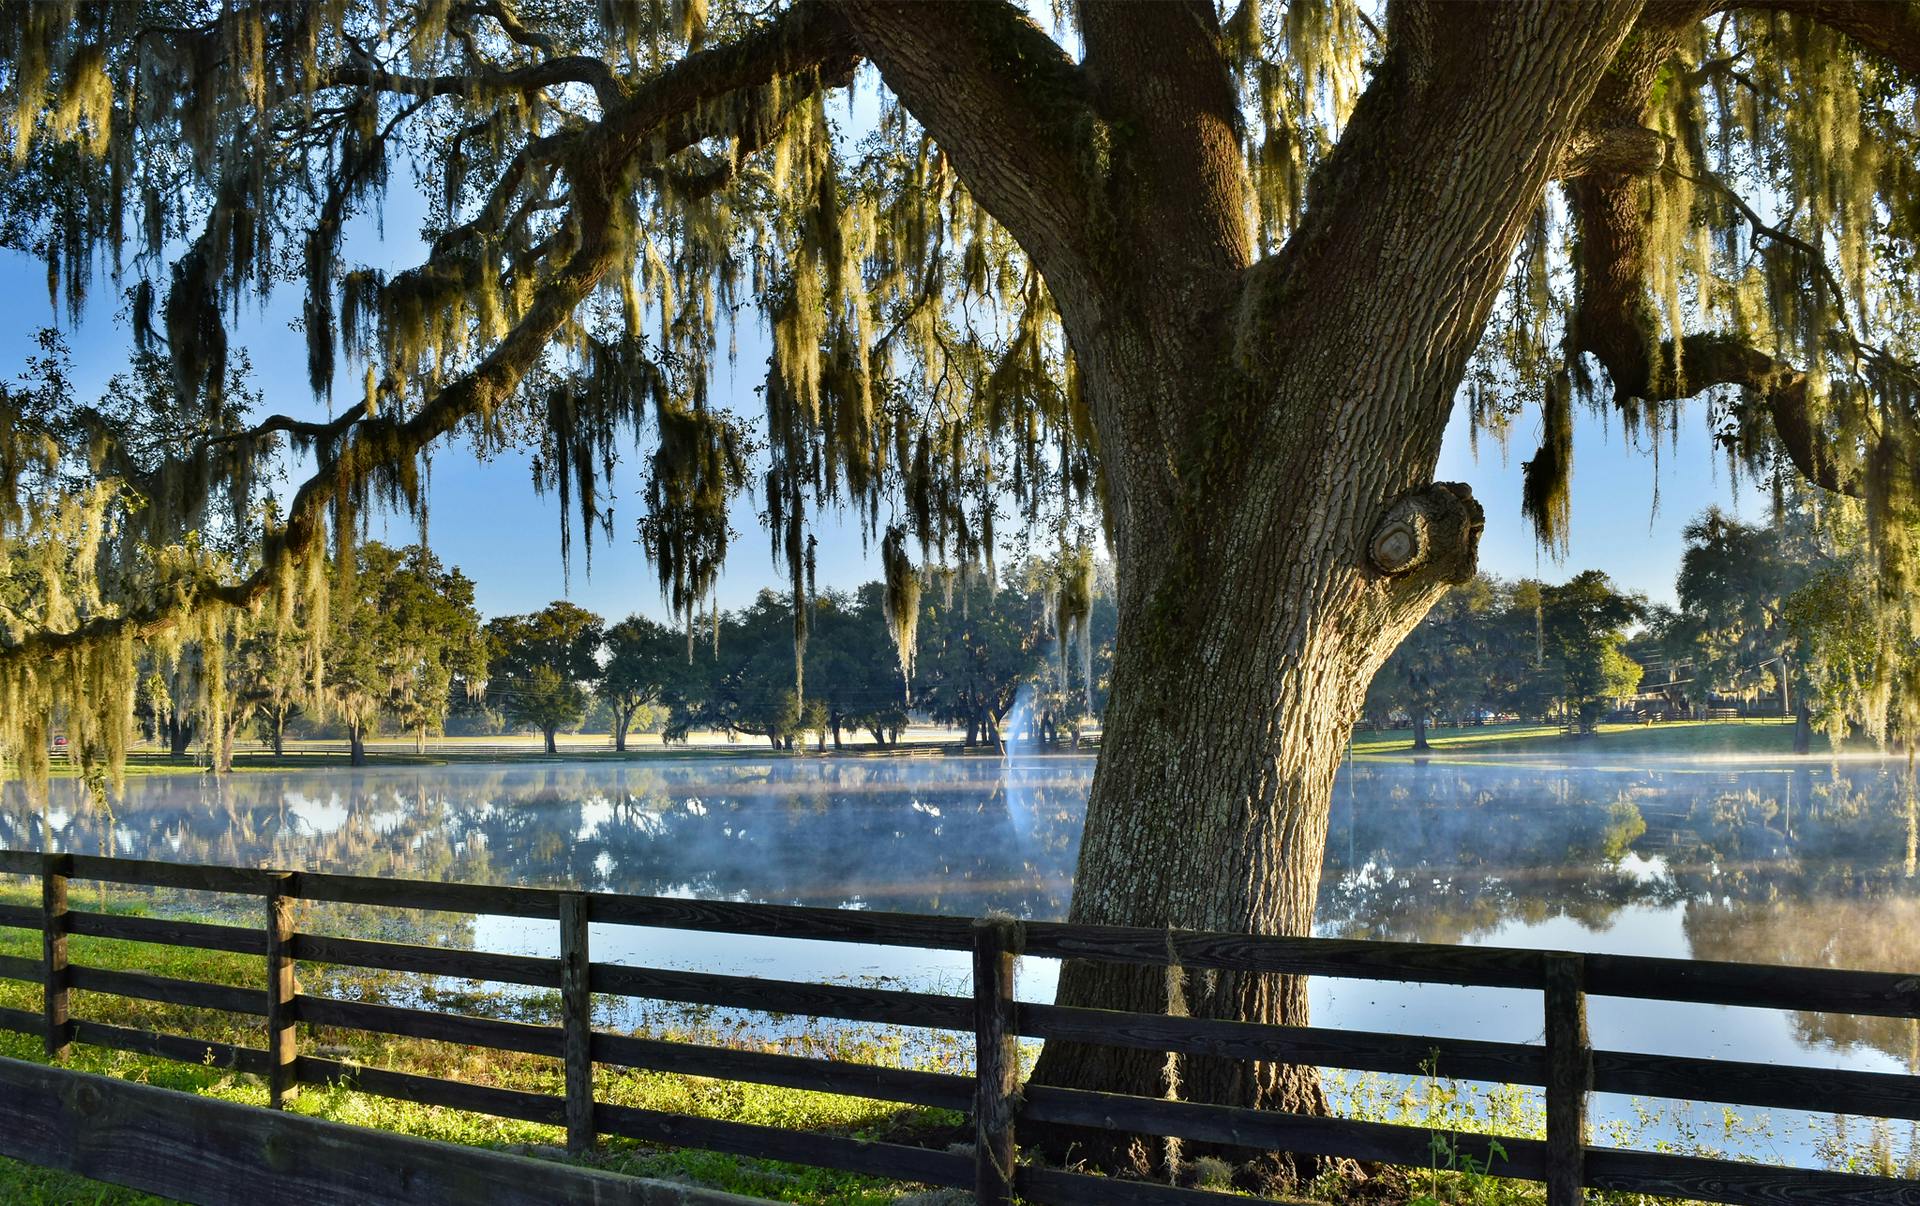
(1435, 529)
(1612, 151)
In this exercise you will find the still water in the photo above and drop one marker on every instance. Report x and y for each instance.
(1806, 863)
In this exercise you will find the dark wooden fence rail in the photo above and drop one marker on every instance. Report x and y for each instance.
(1565, 1065)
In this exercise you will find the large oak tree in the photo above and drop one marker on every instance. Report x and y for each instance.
(1219, 273)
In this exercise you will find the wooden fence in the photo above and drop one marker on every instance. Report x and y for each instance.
(1565, 1065)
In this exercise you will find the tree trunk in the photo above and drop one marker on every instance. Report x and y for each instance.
(1420, 731)
(622, 720)
(1268, 430)
(420, 739)
(223, 746)
(553, 747)
(277, 723)
(356, 745)
(1803, 728)
(179, 735)
(1209, 806)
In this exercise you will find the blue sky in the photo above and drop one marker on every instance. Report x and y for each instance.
(485, 518)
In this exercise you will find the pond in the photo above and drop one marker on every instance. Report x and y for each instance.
(1795, 862)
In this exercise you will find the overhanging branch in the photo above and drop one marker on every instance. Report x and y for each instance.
(807, 41)
(1884, 29)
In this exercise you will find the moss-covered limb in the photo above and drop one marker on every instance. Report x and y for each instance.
(1012, 110)
(358, 452)
(1888, 31)
(1673, 302)
(479, 82)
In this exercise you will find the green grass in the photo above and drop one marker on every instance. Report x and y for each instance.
(30, 1185)
(145, 763)
(1703, 738)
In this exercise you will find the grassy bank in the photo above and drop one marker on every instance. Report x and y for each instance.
(317, 755)
(1698, 738)
(1713, 738)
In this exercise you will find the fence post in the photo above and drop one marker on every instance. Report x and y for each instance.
(283, 1043)
(53, 922)
(1569, 1077)
(996, 1093)
(576, 1010)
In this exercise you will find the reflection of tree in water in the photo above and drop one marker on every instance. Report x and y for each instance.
(1874, 932)
(915, 834)
(1810, 865)
(1469, 847)
(1446, 853)
(880, 833)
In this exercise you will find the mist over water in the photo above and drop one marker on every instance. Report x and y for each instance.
(1775, 862)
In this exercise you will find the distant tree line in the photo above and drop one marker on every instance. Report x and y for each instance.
(1776, 617)
(406, 651)
(1773, 618)
(1523, 649)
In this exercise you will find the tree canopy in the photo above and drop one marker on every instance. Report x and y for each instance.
(610, 185)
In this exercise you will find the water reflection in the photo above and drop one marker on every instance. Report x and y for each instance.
(1804, 864)
(947, 835)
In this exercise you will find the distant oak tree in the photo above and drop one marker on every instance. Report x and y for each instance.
(542, 666)
(638, 667)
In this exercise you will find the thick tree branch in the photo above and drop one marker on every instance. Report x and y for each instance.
(1780, 388)
(1611, 150)
(1886, 29)
(1010, 109)
(303, 430)
(1419, 206)
(508, 22)
(1161, 83)
(547, 73)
